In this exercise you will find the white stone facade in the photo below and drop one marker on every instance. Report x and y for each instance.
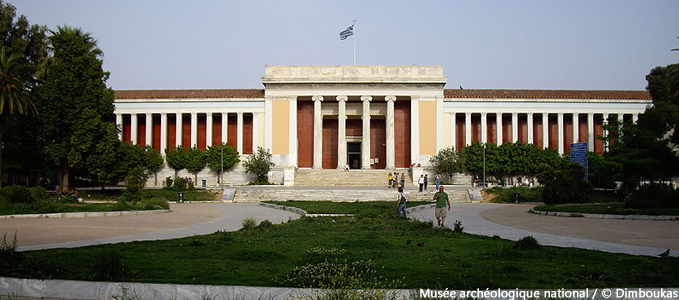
(346, 102)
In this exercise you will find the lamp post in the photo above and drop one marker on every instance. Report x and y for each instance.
(484, 165)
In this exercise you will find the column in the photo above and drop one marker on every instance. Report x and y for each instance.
(342, 131)
(194, 129)
(391, 143)
(255, 131)
(225, 127)
(498, 128)
(468, 128)
(318, 132)
(119, 123)
(293, 140)
(530, 128)
(163, 132)
(484, 128)
(635, 118)
(605, 132)
(515, 127)
(453, 131)
(149, 129)
(178, 129)
(239, 132)
(576, 128)
(365, 145)
(590, 132)
(559, 134)
(545, 130)
(134, 129)
(208, 130)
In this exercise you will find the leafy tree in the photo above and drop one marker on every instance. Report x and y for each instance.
(567, 186)
(259, 164)
(663, 85)
(195, 161)
(19, 36)
(110, 160)
(447, 162)
(154, 162)
(74, 93)
(221, 157)
(15, 78)
(176, 159)
(24, 47)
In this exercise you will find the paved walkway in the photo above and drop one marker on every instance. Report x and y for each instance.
(187, 219)
(513, 222)
(639, 237)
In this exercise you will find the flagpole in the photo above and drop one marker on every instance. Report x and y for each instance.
(354, 42)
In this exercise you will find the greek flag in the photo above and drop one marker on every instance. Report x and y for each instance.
(347, 32)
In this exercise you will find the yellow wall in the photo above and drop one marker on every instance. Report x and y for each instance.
(281, 127)
(427, 127)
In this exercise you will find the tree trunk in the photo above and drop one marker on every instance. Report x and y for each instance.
(2, 127)
(64, 182)
(155, 178)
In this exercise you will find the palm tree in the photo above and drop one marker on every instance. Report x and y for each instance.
(15, 80)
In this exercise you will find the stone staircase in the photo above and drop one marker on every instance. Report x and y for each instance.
(278, 193)
(331, 178)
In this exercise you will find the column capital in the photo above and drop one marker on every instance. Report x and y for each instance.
(390, 98)
(366, 98)
(317, 98)
(342, 98)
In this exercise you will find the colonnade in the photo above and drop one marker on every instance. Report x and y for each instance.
(530, 135)
(342, 141)
(194, 132)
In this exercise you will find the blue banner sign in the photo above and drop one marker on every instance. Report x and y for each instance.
(579, 155)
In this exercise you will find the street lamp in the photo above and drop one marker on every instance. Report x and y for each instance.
(484, 165)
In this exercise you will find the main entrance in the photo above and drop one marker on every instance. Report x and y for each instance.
(354, 155)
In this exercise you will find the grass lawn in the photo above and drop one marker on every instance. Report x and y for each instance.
(151, 199)
(268, 255)
(615, 208)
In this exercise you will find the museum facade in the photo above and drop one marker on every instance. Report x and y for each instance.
(367, 117)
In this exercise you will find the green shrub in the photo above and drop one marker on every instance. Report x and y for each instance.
(37, 193)
(168, 183)
(10, 258)
(654, 196)
(154, 203)
(249, 223)
(568, 186)
(527, 243)
(108, 266)
(265, 224)
(17, 194)
(508, 195)
(179, 184)
(457, 226)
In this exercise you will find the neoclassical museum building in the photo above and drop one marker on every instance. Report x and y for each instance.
(364, 117)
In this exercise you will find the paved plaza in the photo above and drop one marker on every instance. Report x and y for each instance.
(509, 221)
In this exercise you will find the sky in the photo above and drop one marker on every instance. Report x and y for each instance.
(532, 44)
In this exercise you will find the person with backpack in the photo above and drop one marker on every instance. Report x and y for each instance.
(400, 202)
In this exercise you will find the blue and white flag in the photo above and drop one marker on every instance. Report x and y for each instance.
(347, 32)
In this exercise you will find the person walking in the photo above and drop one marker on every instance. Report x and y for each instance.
(426, 179)
(390, 179)
(403, 180)
(421, 182)
(441, 199)
(437, 180)
(400, 202)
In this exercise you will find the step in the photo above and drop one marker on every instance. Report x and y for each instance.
(256, 194)
(329, 178)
